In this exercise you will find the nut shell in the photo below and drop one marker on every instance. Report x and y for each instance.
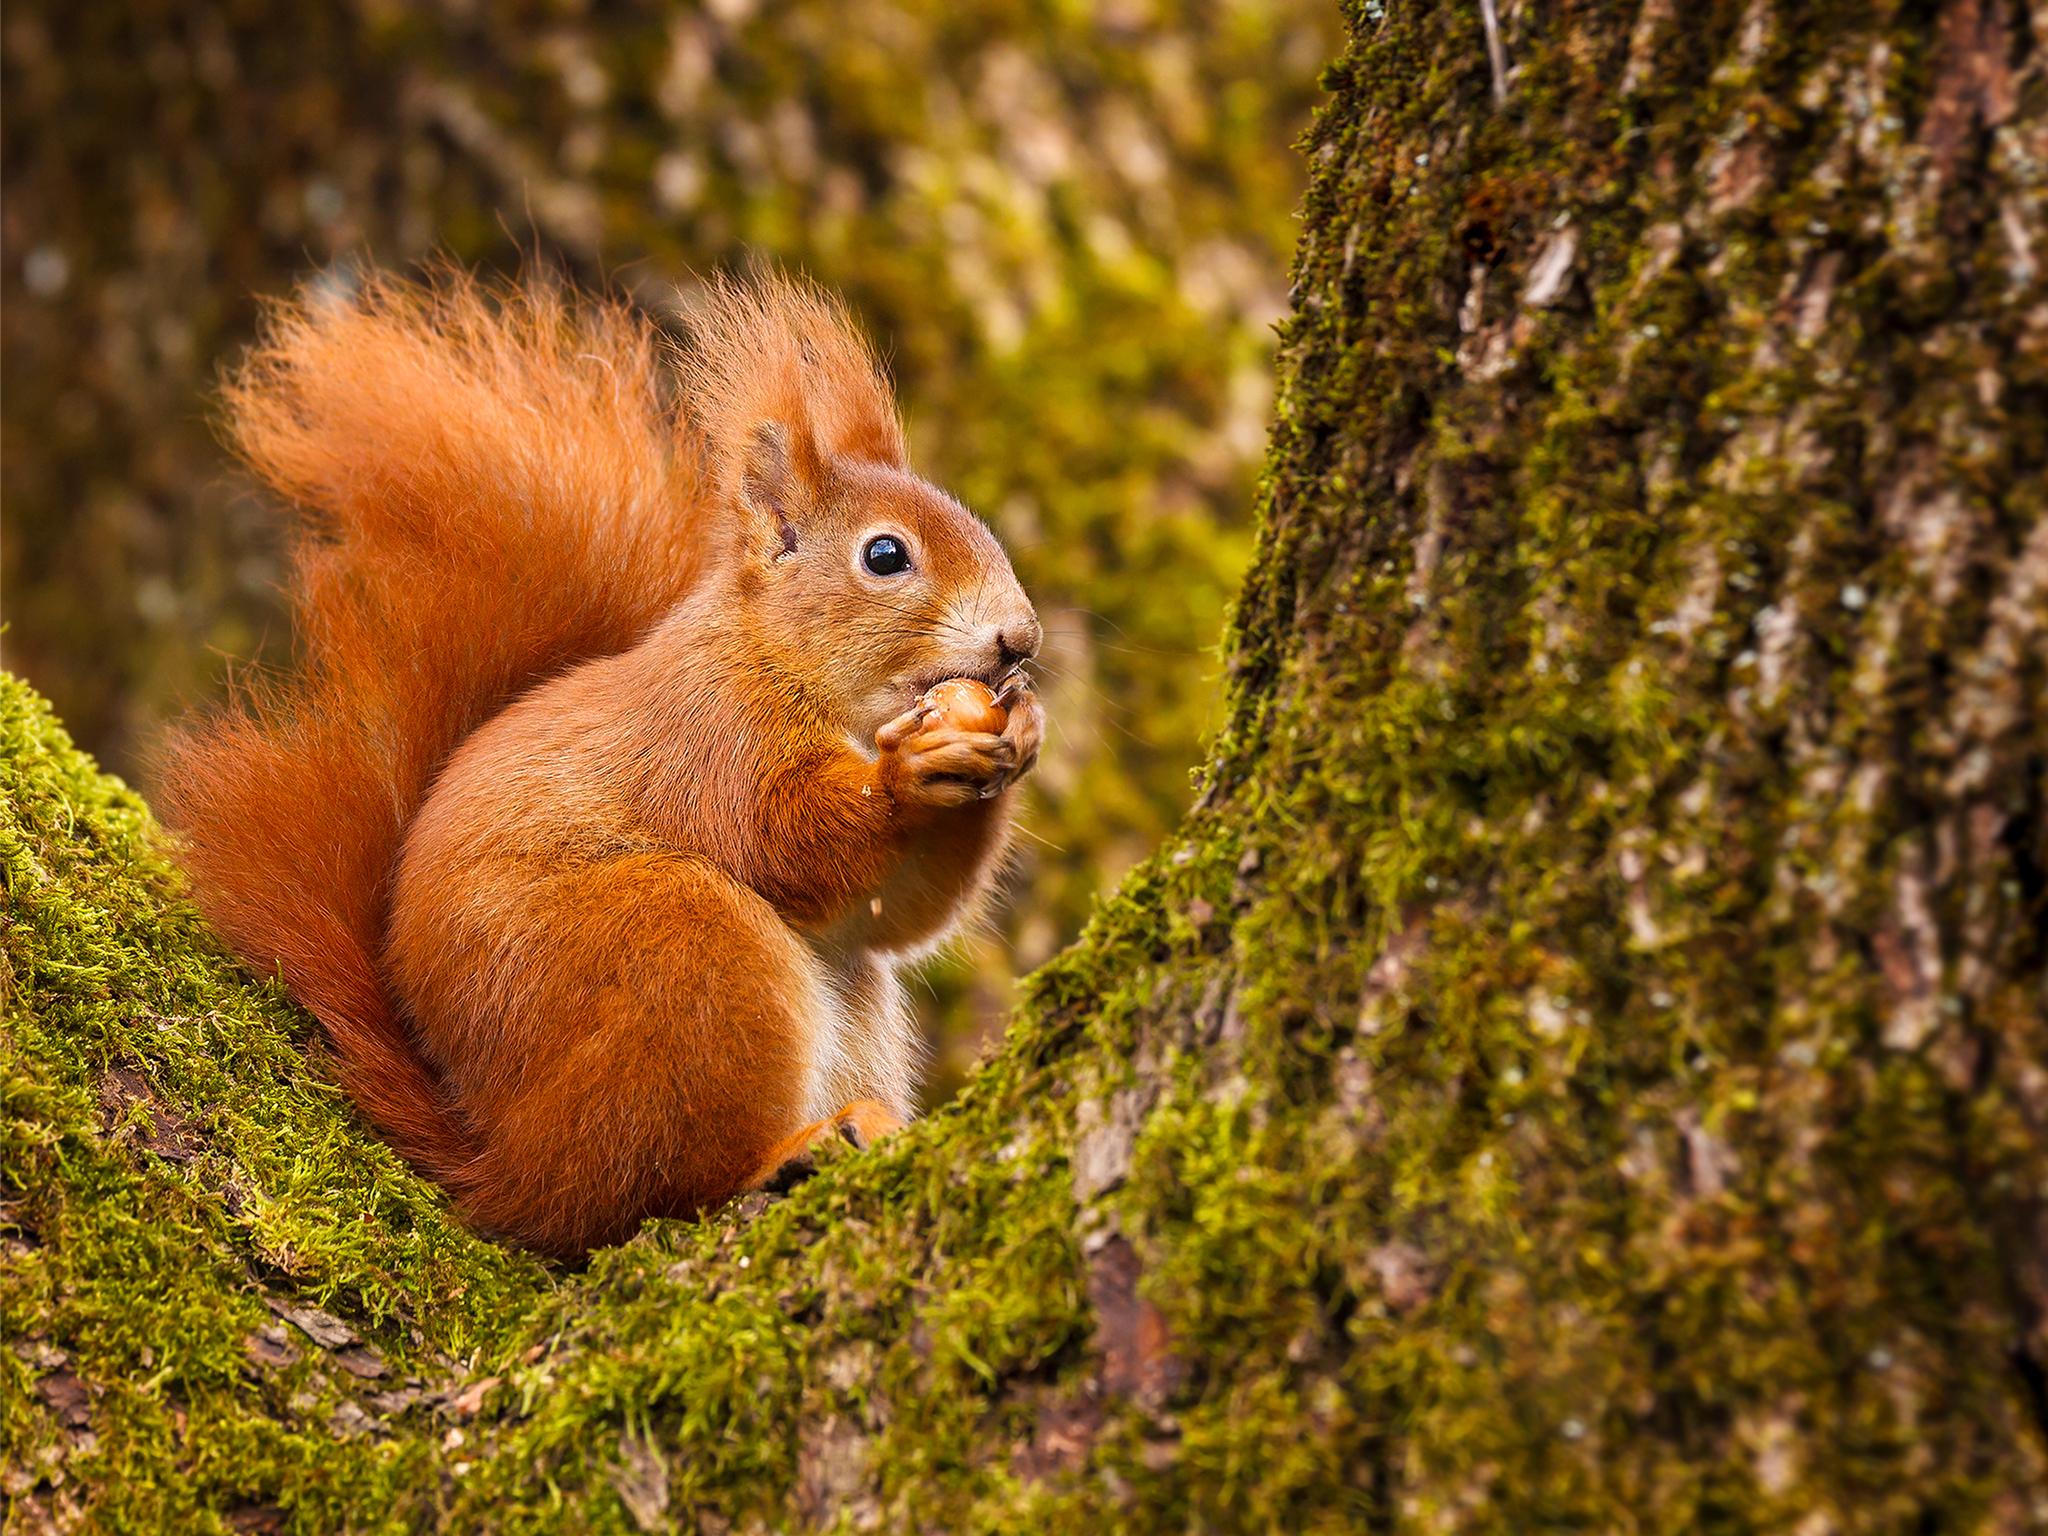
(966, 705)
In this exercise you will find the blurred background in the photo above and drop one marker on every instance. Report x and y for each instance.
(1068, 222)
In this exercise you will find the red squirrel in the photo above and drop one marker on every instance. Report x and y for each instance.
(604, 805)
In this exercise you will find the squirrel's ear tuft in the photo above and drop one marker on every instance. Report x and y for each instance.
(782, 352)
(779, 477)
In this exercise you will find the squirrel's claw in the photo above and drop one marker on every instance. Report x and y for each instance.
(901, 729)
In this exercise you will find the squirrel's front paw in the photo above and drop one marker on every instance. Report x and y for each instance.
(926, 762)
(1026, 725)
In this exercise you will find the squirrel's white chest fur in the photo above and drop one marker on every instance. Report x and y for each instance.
(864, 1041)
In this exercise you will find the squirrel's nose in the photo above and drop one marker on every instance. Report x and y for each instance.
(1018, 640)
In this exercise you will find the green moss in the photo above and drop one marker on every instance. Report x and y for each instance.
(171, 1163)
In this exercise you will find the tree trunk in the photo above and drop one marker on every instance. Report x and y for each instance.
(1583, 1063)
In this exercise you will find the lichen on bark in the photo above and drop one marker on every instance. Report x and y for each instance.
(1582, 1064)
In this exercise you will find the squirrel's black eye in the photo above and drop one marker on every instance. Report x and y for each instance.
(885, 556)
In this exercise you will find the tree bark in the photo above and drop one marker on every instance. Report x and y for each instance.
(1582, 1064)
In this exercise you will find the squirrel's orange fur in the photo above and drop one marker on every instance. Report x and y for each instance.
(602, 809)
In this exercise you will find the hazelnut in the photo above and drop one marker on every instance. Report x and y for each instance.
(966, 705)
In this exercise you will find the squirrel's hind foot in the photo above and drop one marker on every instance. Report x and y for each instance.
(793, 1160)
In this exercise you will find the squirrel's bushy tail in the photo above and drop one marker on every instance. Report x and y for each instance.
(491, 488)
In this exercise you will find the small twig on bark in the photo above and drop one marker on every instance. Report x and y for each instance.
(1496, 55)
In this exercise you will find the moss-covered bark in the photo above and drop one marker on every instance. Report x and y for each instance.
(1583, 1063)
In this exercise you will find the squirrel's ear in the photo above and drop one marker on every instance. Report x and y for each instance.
(779, 478)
